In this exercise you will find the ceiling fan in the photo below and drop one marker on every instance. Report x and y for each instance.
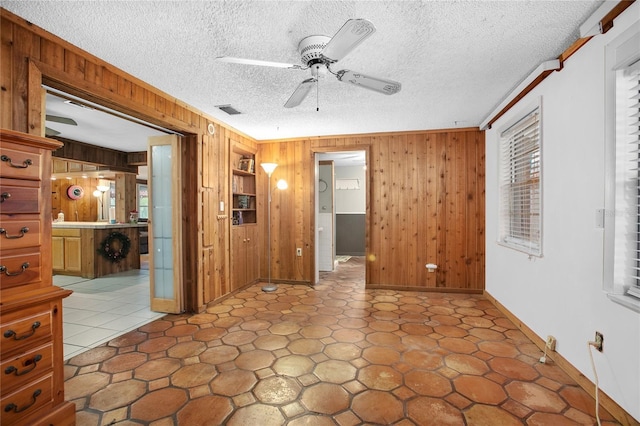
(57, 119)
(319, 53)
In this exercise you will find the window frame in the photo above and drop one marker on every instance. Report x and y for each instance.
(531, 247)
(620, 215)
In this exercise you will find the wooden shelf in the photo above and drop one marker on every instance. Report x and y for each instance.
(242, 173)
(243, 188)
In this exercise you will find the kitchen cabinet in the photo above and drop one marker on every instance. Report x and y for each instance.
(66, 249)
(75, 248)
(31, 345)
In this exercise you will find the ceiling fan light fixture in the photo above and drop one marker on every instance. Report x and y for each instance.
(318, 70)
(319, 53)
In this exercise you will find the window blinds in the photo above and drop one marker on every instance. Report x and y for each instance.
(631, 80)
(520, 190)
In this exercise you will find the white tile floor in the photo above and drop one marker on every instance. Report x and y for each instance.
(103, 308)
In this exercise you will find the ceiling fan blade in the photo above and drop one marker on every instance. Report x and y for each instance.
(352, 33)
(300, 93)
(232, 60)
(380, 85)
(63, 120)
(50, 132)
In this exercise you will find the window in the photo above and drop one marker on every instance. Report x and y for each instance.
(627, 206)
(520, 190)
(629, 94)
(622, 219)
(143, 201)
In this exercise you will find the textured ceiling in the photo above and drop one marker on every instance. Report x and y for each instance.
(456, 60)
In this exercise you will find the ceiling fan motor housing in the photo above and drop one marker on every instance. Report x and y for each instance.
(311, 48)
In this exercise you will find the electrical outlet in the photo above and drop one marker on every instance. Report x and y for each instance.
(299, 252)
(599, 341)
(551, 343)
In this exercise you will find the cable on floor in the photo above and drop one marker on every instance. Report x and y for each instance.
(595, 375)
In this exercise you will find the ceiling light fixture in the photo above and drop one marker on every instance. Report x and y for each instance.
(319, 53)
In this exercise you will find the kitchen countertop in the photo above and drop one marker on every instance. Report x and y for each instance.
(96, 225)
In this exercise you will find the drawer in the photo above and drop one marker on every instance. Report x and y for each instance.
(15, 234)
(19, 370)
(19, 196)
(15, 162)
(27, 400)
(20, 269)
(26, 328)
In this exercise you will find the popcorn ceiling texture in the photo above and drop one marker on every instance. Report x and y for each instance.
(456, 60)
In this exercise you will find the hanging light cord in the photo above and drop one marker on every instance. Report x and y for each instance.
(317, 94)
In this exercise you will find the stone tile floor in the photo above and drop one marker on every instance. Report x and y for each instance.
(336, 354)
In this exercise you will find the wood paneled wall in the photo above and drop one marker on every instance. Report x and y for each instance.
(116, 160)
(426, 205)
(426, 200)
(30, 56)
(84, 209)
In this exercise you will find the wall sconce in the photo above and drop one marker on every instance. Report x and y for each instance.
(282, 184)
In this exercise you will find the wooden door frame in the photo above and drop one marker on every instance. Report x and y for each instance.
(40, 74)
(314, 179)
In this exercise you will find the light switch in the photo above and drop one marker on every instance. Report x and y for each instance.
(221, 206)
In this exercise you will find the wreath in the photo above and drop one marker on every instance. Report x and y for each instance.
(115, 247)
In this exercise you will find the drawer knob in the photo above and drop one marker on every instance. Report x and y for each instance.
(30, 363)
(23, 231)
(4, 196)
(10, 333)
(13, 407)
(23, 268)
(26, 163)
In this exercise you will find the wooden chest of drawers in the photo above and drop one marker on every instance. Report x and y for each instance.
(31, 348)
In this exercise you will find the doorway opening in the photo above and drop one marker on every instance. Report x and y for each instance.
(104, 307)
(341, 204)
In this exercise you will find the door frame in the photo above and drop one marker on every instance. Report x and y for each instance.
(40, 74)
(314, 185)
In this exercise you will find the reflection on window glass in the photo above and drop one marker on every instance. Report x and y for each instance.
(143, 201)
(112, 194)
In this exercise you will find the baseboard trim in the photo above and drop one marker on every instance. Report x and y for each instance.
(423, 289)
(606, 401)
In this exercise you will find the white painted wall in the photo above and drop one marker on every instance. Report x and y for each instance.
(351, 200)
(561, 294)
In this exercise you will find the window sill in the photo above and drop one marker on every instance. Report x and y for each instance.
(626, 301)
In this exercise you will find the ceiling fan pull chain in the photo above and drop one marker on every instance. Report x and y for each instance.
(317, 95)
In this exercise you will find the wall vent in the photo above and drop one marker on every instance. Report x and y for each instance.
(228, 109)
